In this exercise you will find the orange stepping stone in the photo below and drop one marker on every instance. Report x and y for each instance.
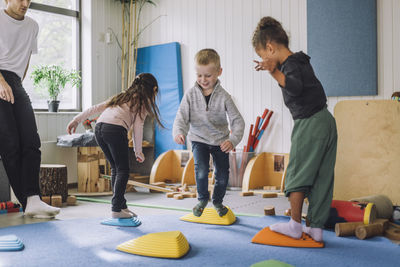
(268, 237)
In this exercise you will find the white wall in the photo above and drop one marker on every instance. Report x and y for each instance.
(227, 26)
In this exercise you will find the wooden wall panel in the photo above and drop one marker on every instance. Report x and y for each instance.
(368, 149)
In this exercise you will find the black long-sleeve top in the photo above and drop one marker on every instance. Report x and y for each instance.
(303, 93)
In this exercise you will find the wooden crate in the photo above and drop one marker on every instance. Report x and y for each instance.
(88, 176)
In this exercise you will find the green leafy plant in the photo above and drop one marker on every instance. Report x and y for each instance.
(53, 78)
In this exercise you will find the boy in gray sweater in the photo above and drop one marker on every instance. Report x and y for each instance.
(202, 117)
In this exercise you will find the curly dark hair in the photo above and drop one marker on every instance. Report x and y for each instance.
(269, 30)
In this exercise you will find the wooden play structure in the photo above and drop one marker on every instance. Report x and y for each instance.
(265, 169)
(368, 149)
(174, 166)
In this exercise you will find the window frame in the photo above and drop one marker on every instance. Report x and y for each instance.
(75, 14)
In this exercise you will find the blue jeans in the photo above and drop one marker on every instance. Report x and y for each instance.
(113, 141)
(201, 154)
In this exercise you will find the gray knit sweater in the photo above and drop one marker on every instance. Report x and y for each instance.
(208, 123)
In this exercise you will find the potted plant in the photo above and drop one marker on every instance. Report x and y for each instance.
(53, 78)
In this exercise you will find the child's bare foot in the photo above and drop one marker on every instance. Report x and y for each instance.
(199, 208)
(292, 229)
(130, 212)
(221, 209)
(315, 233)
(121, 215)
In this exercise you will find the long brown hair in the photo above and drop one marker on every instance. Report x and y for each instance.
(269, 29)
(141, 95)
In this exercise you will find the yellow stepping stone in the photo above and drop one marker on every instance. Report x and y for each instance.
(210, 216)
(171, 244)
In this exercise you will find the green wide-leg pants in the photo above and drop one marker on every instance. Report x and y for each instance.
(312, 162)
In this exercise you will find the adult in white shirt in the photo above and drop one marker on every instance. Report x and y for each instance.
(19, 139)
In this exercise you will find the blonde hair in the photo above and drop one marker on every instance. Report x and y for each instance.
(207, 56)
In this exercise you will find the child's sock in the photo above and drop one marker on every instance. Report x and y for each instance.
(130, 212)
(221, 209)
(292, 228)
(36, 208)
(315, 233)
(199, 208)
(121, 215)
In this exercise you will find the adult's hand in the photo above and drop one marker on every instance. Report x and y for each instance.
(6, 93)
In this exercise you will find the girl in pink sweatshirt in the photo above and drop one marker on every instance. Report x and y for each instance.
(123, 111)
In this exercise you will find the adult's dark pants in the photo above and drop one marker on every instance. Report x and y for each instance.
(113, 140)
(19, 141)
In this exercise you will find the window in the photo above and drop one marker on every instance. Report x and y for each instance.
(58, 43)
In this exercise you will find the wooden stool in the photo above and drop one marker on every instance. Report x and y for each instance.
(53, 180)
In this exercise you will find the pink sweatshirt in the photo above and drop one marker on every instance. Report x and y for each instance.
(118, 115)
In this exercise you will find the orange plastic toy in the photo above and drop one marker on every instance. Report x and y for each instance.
(268, 237)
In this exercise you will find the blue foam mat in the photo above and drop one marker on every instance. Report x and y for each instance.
(10, 243)
(164, 62)
(87, 242)
(130, 222)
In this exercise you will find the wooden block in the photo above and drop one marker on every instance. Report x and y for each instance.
(130, 188)
(178, 196)
(189, 195)
(88, 175)
(71, 200)
(161, 184)
(267, 187)
(56, 201)
(149, 186)
(46, 199)
(183, 188)
(383, 222)
(107, 185)
(269, 210)
(192, 189)
(101, 184)
(366, 231)
(347, 228)
(171, 194)
(269, 195)
(246, 194)
(173, 188)
(393, 231)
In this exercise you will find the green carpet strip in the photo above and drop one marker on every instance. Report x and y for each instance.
(89, 199)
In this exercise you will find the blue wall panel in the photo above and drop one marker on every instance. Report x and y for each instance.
(164, 62)
(342, 43)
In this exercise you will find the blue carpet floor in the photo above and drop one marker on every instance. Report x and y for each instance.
(86, 242)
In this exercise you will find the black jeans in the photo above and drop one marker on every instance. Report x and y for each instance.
(201, 155)
(113, 140)
(19, 141)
